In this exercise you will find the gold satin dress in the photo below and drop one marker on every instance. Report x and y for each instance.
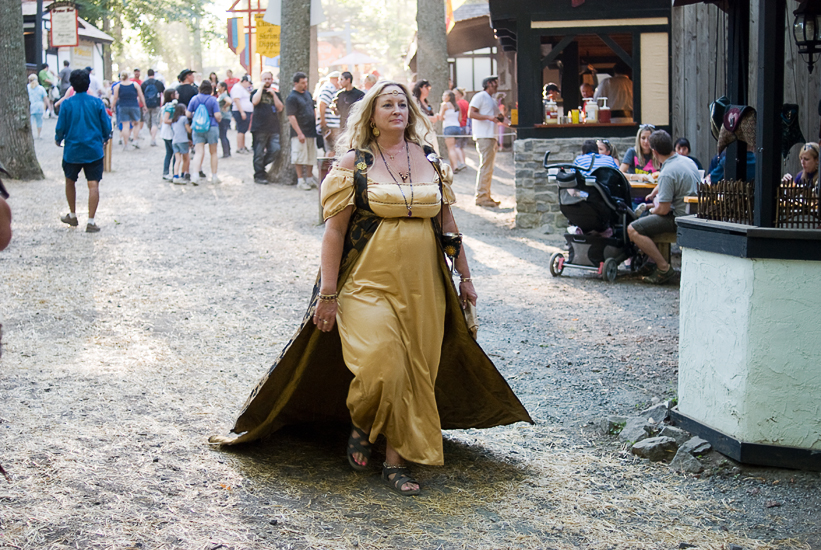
(391, 314)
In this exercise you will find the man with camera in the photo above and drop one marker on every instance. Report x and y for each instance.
(485, 114)
(265, 126)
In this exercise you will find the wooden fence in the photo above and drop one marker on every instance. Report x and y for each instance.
(798, 206)
(726, 201)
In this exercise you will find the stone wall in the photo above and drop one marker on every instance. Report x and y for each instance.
(537, 200)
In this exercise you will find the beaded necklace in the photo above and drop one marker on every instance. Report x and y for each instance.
(404, 177)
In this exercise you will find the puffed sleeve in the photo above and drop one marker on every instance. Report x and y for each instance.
(447, 183)
(337, 191)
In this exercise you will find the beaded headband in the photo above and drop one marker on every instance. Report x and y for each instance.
(393, 92)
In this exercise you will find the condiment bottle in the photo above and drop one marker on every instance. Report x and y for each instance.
(604, 111)
(591, 111)
(551, 112)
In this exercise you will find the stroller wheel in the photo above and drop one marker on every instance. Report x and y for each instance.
(610, 270)
(556, 264)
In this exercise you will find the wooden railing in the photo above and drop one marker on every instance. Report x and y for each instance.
(726, 201)
(797, 206)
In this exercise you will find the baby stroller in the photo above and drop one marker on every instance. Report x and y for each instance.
(599, 206)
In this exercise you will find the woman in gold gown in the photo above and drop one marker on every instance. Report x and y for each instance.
(386, 306)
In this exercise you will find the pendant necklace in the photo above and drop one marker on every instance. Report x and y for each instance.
(404, 177)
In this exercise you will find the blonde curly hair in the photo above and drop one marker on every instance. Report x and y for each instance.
(359, 134)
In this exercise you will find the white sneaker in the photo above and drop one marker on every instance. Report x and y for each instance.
(168, 177)
(214, 178)
(195, 179)
(640, 209)
(312, 182)
(304, 185)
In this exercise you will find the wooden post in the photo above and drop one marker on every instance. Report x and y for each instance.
(770, 77)
(738, 48)
(571, 94)
(527, 57)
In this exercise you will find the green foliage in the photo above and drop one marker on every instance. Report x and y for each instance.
(381, 28)
(144, 16)
(617, 428)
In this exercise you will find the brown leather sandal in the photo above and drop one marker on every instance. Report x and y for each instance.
(401, 475)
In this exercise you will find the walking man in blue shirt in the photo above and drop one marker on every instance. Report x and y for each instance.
(85, 127)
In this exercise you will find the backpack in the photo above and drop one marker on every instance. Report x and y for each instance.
(202, 120)
(152, 95)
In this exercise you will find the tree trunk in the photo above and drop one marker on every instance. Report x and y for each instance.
(16, 140)
(197, 49)
(432, 51)
(107, 49)
(294, 55)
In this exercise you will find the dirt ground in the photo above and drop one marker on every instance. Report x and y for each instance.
(124, 350)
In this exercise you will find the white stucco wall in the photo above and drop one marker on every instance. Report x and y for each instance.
(750, 347)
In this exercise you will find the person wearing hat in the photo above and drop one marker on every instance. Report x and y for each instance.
(327, 120)
(186, 88)
(485, 114)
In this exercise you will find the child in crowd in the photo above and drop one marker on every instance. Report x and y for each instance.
(225, 103)
(167, 133)
(180, 128)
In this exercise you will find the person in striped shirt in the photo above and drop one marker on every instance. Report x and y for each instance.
(590, 159)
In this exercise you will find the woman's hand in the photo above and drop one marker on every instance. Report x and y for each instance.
(787, 178)
(325, 315)
(467, 293)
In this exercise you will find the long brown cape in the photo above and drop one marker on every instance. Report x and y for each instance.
(309, 381)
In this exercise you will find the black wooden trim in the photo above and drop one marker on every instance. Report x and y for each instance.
(558, 49)
(748, 241)
(616, 48)
(562, 31)
(770, 76)
(637, 76)
(580, 131)
(750, 453)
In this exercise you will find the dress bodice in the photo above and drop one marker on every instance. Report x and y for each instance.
(387, 200)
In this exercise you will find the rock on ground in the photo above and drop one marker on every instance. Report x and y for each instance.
(655, 448)
(696, 446)
(681, 436)
(685, 462)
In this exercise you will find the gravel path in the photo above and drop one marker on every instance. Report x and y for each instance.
(126, 349)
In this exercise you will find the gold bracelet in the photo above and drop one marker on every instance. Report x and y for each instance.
(465, 280)
(328, 297)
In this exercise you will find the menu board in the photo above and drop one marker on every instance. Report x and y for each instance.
(64, 31)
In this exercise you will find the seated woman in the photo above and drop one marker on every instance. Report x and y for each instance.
(607, 148)
(809, 168)
(638, 162)
(590, 159)
(683, 149)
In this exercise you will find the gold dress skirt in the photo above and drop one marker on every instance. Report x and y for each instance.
(391, 316)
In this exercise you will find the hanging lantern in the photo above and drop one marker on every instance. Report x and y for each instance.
(807, 30)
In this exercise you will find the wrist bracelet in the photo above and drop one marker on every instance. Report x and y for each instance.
(465, 280)
(328, 297)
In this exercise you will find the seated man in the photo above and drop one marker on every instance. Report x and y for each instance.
(590, 159)
(678, 178)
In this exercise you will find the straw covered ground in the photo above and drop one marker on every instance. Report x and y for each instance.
(125, 350)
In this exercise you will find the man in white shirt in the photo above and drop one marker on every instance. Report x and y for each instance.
(327, 120)
(485, 114)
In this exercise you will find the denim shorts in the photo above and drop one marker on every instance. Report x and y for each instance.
(180, 147)
(38, 119)
(211, 137)
(125, 114)
(242, 125)
(453, 131)
(92, 170)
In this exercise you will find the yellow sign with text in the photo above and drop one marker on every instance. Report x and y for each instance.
(267, 37)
